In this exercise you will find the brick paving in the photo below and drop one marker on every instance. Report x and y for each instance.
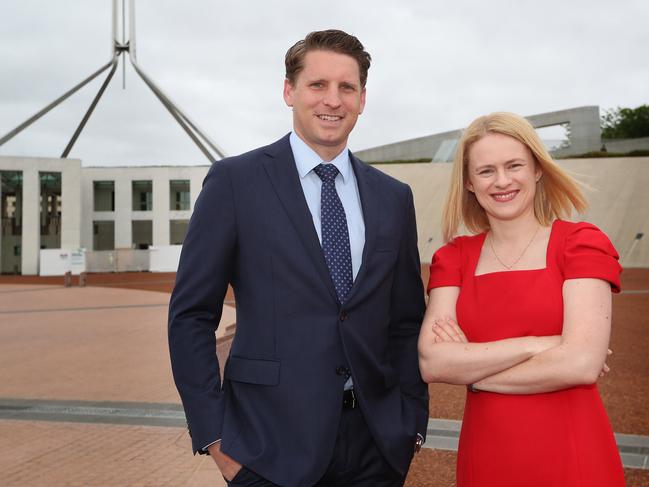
(50, 454)
(102, 344)
(92, 344)
(109, 344)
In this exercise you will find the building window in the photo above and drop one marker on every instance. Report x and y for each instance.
(179, 194)
(142, 231)
(142, 196)
(104, 195)
(50, 210)
(11, 229)
(103, 235)
(177, 231)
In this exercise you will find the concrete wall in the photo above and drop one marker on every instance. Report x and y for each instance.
(584, 137)
(585, 131)
(626, 145)
(421, 147)
(618, 197)
(70, 170)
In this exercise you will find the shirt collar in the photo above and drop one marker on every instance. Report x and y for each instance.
(306, 159)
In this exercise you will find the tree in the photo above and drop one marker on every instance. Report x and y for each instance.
(625, 123)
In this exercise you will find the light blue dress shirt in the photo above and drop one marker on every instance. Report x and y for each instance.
(306, 159)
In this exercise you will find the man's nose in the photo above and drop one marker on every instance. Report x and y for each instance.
(331, 97)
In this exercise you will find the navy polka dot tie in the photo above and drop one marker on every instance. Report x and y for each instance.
(335, 236)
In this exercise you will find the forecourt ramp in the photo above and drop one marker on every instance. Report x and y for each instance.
(617, 190)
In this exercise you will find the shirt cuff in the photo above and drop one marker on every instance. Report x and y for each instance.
(207, 446)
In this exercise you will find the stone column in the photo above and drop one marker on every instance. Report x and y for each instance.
(71, 205)
(31, 230)
(161, 208)
(123, 212)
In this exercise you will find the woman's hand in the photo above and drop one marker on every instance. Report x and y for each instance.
(605, 368)
(447, 330)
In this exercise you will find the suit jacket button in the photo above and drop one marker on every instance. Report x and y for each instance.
(341, 370)
(343, 316)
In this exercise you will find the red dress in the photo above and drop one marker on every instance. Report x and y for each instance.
(560, 438)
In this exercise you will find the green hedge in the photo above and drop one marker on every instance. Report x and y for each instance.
(596, 154)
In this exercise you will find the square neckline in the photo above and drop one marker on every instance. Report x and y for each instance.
(483, 238)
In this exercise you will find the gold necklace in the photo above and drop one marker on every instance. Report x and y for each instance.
(509, 267)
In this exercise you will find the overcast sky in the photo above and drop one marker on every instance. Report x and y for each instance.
(436, 65)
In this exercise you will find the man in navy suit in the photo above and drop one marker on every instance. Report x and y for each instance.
(322, 385)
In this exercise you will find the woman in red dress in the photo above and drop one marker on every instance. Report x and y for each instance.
(520, 311)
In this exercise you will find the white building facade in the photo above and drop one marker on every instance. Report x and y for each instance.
(135, 218)
(50, 203)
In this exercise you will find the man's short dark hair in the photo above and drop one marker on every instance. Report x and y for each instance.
(327, 40)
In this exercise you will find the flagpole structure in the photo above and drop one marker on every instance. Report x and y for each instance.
(122, 48)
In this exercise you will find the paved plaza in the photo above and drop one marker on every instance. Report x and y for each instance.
(90, 347)
(87, 397)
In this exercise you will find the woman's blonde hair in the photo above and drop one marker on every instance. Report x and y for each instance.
(557, 193)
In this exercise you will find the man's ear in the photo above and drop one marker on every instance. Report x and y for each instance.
(363, 94)
(288, 92)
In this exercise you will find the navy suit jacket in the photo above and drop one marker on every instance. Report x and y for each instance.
(278, 408)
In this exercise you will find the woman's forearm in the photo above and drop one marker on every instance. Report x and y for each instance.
(446, 356)
(466, 363)
(558, 368)
(580, 357)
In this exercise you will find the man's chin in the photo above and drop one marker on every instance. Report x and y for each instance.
(333, 139)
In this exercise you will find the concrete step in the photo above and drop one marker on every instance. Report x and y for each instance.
(442, 434)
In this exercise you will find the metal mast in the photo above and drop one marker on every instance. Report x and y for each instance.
(119, 48)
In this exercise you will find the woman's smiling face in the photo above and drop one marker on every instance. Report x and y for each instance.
(502, 173)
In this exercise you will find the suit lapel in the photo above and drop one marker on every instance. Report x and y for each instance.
(368, 190)
(281, 169)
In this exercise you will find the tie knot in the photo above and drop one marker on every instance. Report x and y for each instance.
(326, 172)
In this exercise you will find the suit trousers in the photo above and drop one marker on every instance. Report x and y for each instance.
(356, 460)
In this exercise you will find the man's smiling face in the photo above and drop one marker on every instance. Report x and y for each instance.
(327, 98)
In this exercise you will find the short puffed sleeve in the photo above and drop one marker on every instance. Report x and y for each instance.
(446, 267)
(588, 252)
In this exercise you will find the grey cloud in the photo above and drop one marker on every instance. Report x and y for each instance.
(436, 65)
